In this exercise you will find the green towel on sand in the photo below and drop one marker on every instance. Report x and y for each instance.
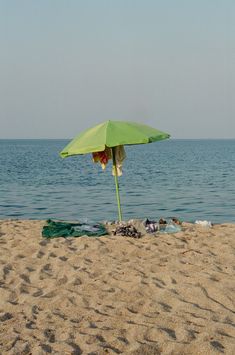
(54, 229)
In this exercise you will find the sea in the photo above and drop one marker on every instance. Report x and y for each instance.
(187, 179)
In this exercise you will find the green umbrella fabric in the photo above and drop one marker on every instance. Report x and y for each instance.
(112, 134)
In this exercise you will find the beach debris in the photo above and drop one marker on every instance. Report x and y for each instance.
(207, 224)
(162, 226)
(150, 226)
(176, 221)
(109, 223)
(162, 221)
(170, 228)
(126, 230)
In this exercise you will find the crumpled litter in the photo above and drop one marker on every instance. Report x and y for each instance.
(127, 230)
(162, 226)
(171, 228)
(150, 226)
(204, 223)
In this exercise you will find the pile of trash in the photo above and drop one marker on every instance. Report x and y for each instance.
(162, 226)
(204, 223)
(127, 230)
(132, 228)
(137, 230)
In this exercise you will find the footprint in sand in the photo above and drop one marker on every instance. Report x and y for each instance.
(159, 281)
(25, 278)
(77, 281)
(148, 349)
(24, 288)
(44, 242)
(165, 306)
(63, 258)
(49, 335)
(47, 268)
(5, 316)
(40, 254)
(62, 281)
(103, 344)
(191, 334)
(38, 293)
(13, 299)
(218, 346)
(59, 314)
(76, 348)
(50, 294)
(52, 255)
(35, 310)
(169, 332)
(20, 346)
(45, 271)
(20, 256)
(30, 324)
(6, 270)
(47, 348)
(123, 340)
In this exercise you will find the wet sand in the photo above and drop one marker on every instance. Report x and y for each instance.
(164, 294)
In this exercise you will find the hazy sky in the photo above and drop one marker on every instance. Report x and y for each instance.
(67, 65)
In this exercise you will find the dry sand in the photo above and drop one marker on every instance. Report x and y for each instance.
(165, 294)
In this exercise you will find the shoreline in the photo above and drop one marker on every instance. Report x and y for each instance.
(163, 294)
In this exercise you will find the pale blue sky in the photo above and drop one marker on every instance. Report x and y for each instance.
(67, 65)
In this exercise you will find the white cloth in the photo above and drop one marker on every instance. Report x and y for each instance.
(120, 155)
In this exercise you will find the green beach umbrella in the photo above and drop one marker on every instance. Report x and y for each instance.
(112, 134)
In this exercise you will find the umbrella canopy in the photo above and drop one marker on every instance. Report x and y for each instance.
(112, 134)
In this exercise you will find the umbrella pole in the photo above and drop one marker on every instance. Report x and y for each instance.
(116, 183)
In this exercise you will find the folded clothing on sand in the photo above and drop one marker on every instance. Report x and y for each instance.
(54, 229)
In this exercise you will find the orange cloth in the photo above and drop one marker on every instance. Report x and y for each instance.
(102, 157)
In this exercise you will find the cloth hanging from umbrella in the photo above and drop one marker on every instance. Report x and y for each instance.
(103, 158)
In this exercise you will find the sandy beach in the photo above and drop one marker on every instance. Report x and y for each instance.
(163, 294)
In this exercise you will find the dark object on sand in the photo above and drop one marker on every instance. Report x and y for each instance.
(162, 221)
(176, 221)
(127, 231)
(55, 229)
(150, 226)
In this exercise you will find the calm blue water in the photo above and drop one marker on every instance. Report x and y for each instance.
(188, 179)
